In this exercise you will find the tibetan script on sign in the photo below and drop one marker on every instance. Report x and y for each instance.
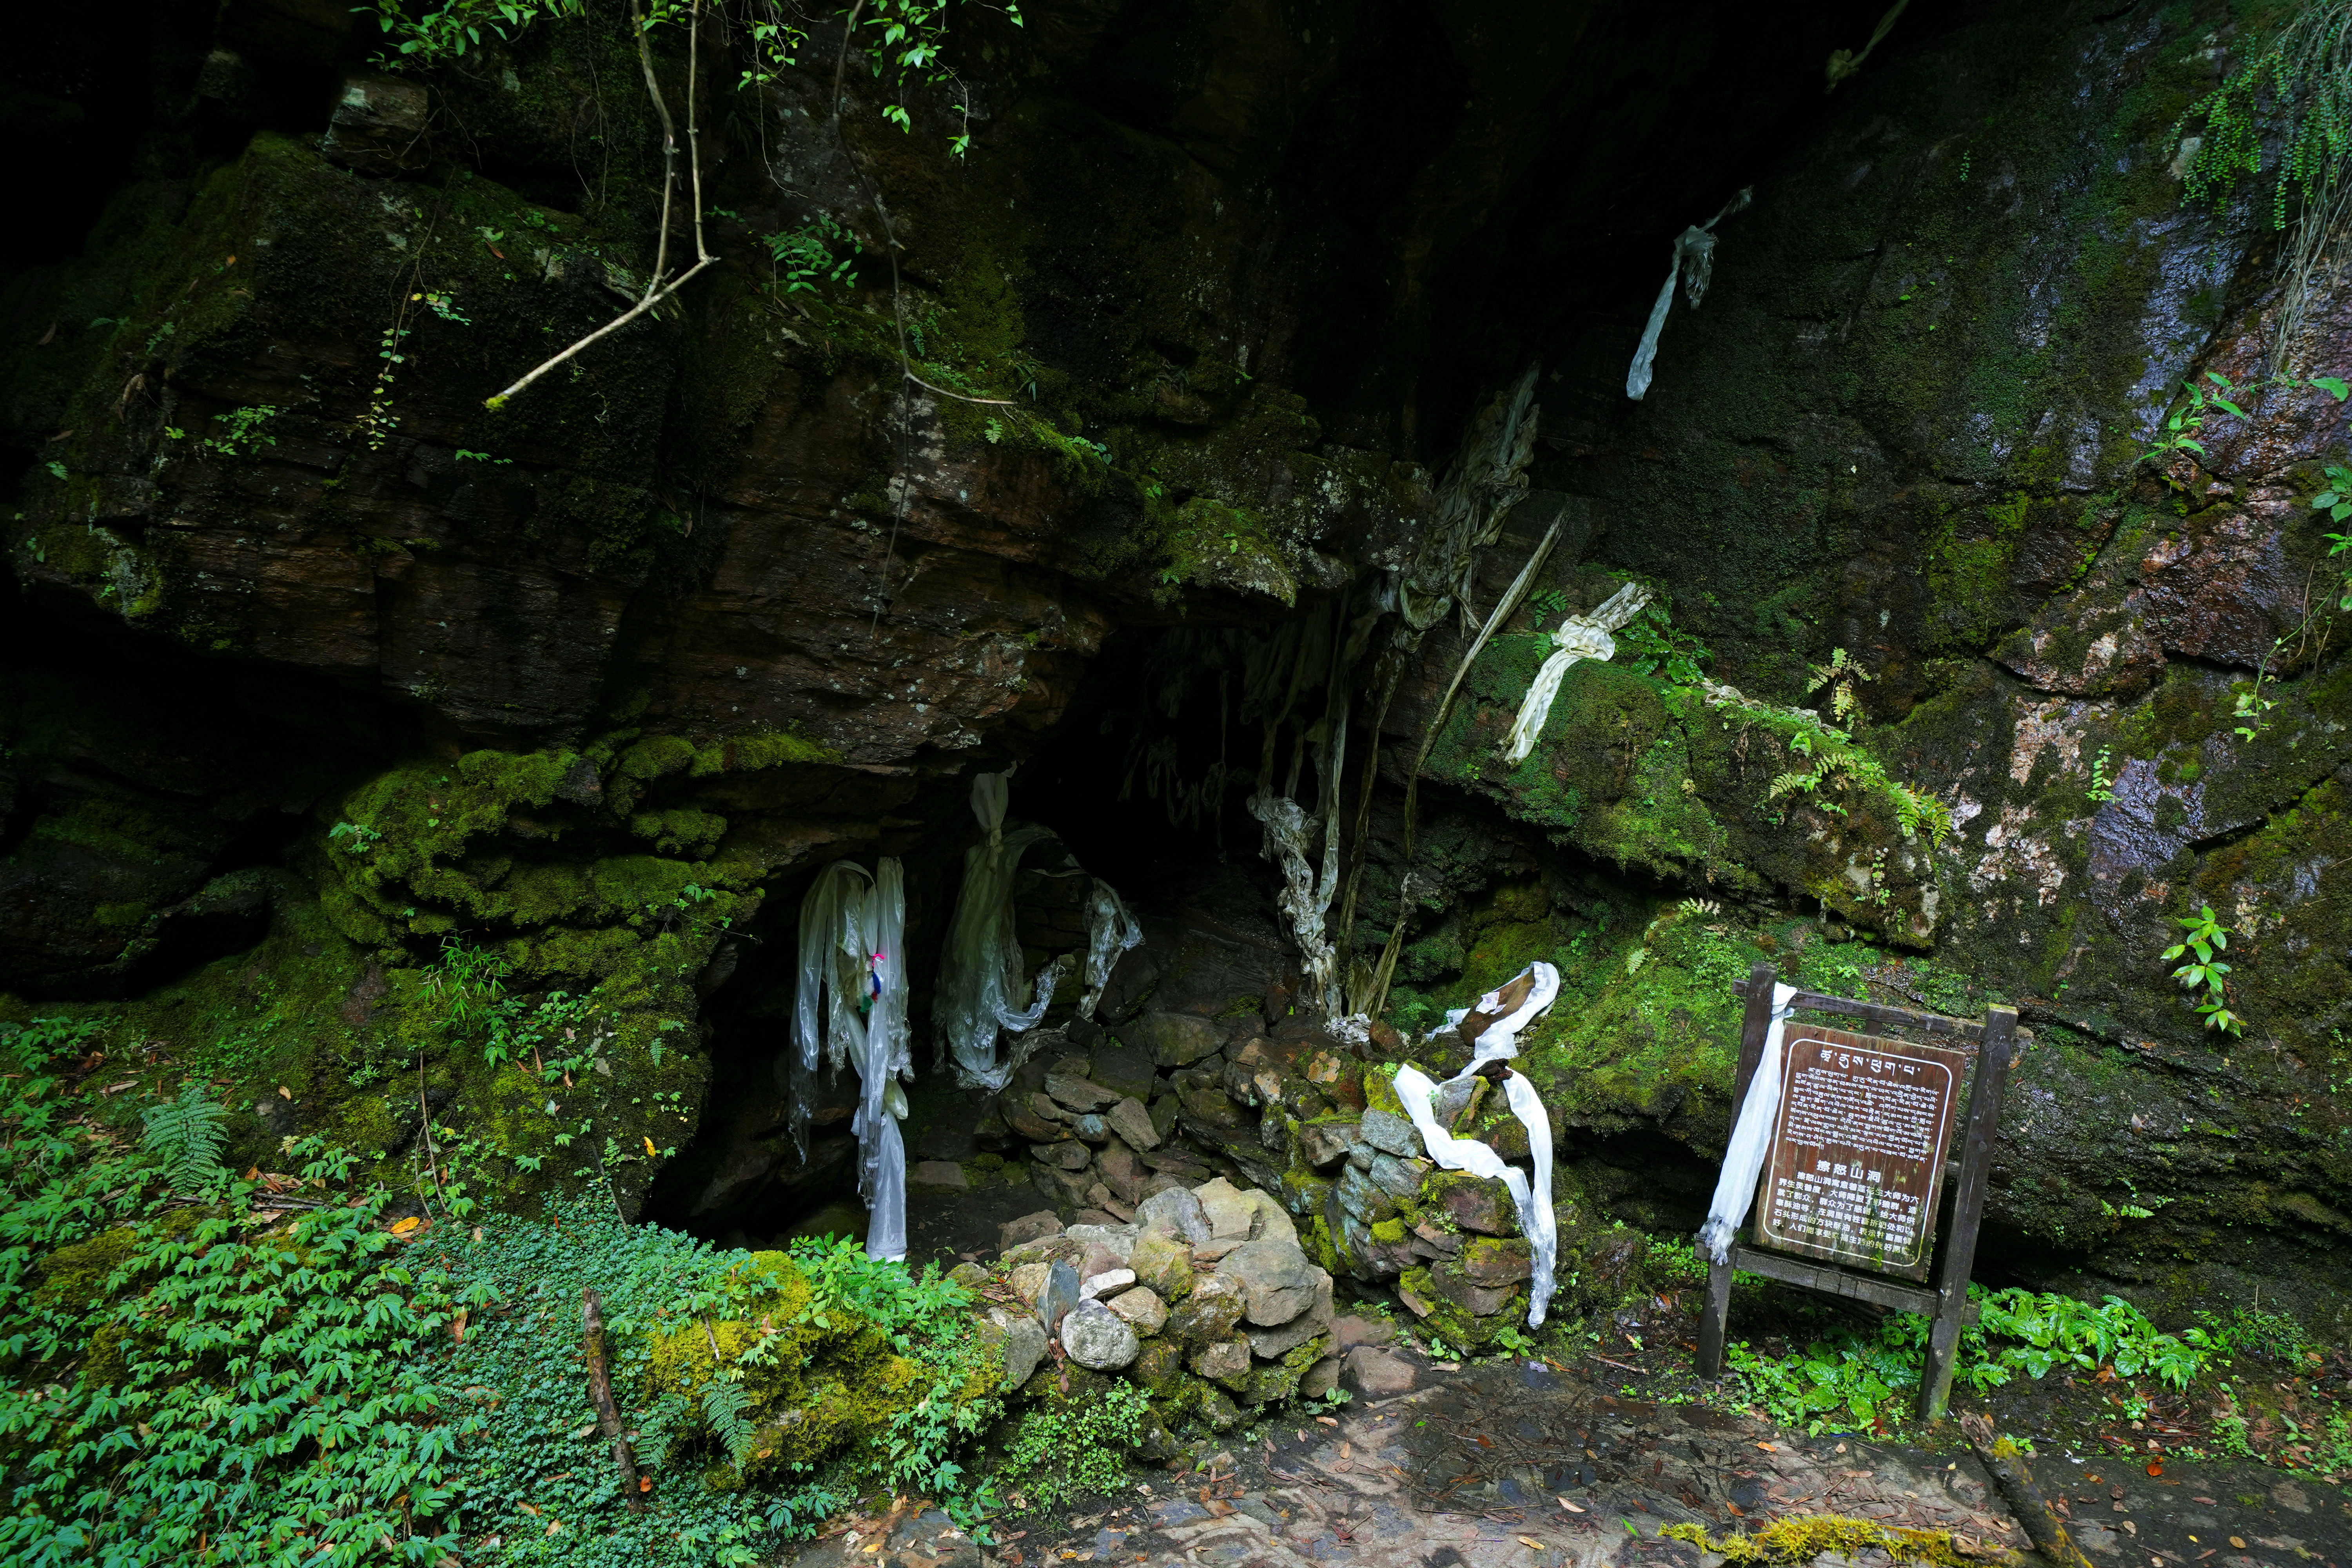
(1858, 1149)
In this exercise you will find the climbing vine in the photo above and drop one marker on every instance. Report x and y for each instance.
(2302, 86)
(2296, 95)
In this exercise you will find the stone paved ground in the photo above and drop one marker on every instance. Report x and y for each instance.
(1519, 1465)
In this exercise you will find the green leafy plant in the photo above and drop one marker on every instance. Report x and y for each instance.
(1838, 678)
(1834, 758)
(2251, 704)
(2184, 425)
(185, 1137)
(2103, 777)
(2204, 976)
(244, 435)
(723, 1404)
(1867, 1378)
(1651, 644)
(806, 256)
(2335, 500)
(1073, 1447)
(2301, 87)
(362, 838)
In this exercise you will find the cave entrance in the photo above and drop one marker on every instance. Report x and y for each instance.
(1142, 784)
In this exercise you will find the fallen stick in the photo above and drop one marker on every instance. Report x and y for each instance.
(600, 1392)
(2005, 1462)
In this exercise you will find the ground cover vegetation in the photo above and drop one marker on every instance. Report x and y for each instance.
(314, 1365)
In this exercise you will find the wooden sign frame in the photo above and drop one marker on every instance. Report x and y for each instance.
(1947, 1303)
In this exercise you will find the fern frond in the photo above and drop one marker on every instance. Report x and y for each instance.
(724, 1401)
(187, 1136)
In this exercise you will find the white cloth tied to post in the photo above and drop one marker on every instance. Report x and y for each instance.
(1580, 636)
(1751, 1140)
(1500, 1040)
(980, 972)
(853, 997)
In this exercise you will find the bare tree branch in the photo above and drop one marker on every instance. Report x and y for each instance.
(600, 1394)
(656, 291)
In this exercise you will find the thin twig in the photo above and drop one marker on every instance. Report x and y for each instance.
(669, 146)
(1509, 601)
(841, 66)
(432, 1165)
(600, 1392)
(655, 290)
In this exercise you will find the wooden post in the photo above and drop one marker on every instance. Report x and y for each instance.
(1968, 1212)
(1757, 1023)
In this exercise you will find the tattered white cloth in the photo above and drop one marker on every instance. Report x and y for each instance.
(980, 972)
(1580, 636)
(853, 976)
(1694, 267)
(1111, 931)
(1751, 1138)
(1498, 1040)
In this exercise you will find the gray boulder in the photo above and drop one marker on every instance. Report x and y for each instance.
(1229, 1213)
(1174, 1039)
(1271, 1344)
(1377, 1374)
(1023, 1343)
(1174, 1212)
(1059, 1295)
(1323, 1145)
(1098, 1338)
(1127, 1073)
(1143, 1309)
(1119, 1240)
(1163, 1263)
(1398, 1178)
(1028, 1227)
(1386, 1131)
(1223, 1361)
(1132, 1122)
(1210, 1312)
(1079, 1094)
(1277, 1281)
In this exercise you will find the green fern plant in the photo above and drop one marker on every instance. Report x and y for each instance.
(1835, 758)
(1839, 676)
(723, 1404)
(185, 1136)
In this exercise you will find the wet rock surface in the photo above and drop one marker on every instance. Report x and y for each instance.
(1510, 1464)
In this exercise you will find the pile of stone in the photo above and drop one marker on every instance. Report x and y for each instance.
(1111, 1115)
(1097, 1127)
(1205, 1300)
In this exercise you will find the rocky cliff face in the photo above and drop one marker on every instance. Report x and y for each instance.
(1136, 445)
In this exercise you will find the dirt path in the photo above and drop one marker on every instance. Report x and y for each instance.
(1516, 1464)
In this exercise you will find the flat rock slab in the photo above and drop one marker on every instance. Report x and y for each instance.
(1173, 1039)
(1028, 1227)
(1471, 1468)
(1376, 1373)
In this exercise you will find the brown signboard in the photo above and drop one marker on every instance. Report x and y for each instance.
(1858, 1149)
